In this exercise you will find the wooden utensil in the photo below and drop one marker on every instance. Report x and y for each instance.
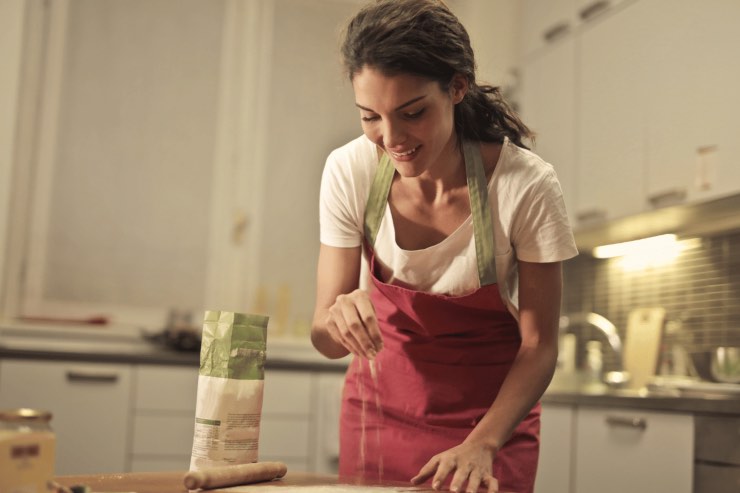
(642, 344)
(216, 477)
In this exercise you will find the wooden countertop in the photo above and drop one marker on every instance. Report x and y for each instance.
(172, 482)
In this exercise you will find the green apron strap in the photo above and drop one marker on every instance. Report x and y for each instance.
(479, 208)
(378, 198)
(481, 212)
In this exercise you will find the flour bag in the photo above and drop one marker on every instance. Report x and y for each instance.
(230, 387)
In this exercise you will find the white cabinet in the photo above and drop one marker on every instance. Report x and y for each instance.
(326, 422)
(653, 96)
(556, 442)
(611, 116)
(90, 407)
(285, 432)
(633, 450)
(164, 413)
(548, 108)
(693, 101)
(300, 419)
(544, 21)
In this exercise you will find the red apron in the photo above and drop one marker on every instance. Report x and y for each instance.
(442, 365)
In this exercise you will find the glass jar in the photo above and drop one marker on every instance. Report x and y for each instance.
(25, 420)
(27, 446)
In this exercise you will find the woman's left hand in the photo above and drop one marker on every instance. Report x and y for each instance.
(470, 462)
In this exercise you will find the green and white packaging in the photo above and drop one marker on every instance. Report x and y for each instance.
(230, 389)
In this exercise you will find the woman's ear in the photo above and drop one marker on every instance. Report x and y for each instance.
(458, 88)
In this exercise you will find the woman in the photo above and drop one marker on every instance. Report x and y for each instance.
(441, 243)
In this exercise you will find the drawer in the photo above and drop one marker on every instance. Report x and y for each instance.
(287, 393)
(165, 434)
(165, 388)
(717, 439)
(711, 478)
(284, 438)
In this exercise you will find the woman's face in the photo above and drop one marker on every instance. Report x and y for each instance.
(409, 117)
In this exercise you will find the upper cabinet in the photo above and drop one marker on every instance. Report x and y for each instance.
(653, 105)
(552, 119)
(692, 100)
(545, 21)
(611, 119)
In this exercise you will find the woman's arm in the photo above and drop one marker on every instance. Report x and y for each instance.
(344, 318)
(540, 289)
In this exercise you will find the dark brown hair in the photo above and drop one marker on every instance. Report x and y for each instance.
(423, 38)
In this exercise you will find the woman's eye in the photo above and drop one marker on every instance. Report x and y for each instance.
(415, 114)
(369, 118)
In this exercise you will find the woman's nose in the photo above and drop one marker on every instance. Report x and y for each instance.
(393, 134)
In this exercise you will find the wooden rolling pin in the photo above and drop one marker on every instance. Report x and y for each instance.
(216, 477)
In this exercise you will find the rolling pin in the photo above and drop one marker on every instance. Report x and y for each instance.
(215, 477)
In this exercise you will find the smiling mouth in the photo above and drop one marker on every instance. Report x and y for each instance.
(405, 154)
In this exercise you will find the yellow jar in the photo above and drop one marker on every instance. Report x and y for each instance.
(27, 446)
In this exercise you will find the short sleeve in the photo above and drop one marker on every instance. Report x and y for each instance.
(341, 202)
(541, 231)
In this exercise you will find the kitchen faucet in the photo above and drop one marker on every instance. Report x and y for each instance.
(599, 322)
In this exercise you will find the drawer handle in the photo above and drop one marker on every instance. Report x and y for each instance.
(591, 11)
(85, 376)
(591, 215)
(668, 196)
(622, 422)
(556, 31)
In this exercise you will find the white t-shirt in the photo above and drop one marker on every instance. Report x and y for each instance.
(529, 223)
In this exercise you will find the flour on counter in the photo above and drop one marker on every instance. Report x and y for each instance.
(334, 488)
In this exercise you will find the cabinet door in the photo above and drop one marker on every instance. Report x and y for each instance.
(693, 100)
(554, 466)
(544, 21)
(326, 422)
(285, 431)
(611, 115)
(164, 413)
(90, 407)
(631, 450)
(548, 108)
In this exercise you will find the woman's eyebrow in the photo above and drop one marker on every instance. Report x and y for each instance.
(411, 101)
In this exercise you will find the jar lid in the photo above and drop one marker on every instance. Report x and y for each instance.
(24, 414)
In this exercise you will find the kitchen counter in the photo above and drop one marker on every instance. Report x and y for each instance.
(668, 400)
(172, 482)
(116, 345)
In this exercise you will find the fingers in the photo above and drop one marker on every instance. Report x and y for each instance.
(465, 474)
(426, 472)
(352, 323)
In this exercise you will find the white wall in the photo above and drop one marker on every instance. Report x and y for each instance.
(311, 112)
(11, 35)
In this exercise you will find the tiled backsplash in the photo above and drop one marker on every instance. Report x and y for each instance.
(700, 290)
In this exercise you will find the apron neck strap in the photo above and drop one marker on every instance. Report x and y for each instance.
(479, 208)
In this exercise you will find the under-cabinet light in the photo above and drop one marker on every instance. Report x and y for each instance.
(654, 245)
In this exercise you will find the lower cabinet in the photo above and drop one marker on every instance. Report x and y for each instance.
(89, 405)
(555, 462)
(139, 418)
(588, 449)
(163, 417)
(296, 418)
(618, 450)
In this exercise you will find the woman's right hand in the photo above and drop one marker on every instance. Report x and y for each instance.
(351, 322)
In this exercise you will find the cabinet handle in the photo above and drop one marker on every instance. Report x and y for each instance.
(591, 215)
(619, 421)
(556, 31)
(590, 11)
(89, 376)
(668, 196)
